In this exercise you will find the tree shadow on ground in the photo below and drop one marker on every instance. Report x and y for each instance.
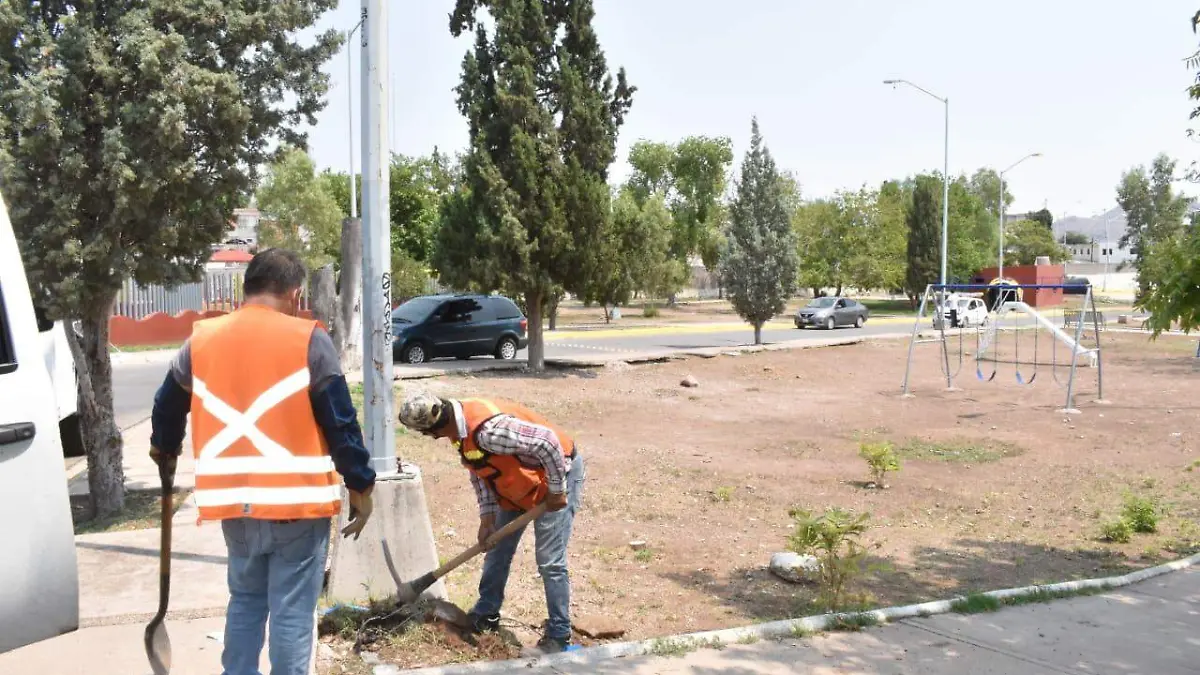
(966, 566)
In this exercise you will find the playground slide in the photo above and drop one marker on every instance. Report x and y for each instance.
(1088, 356)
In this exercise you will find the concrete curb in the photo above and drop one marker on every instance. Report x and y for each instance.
(778, 629)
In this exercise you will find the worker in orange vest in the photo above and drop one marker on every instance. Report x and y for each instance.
(517, 460)
(272, 427)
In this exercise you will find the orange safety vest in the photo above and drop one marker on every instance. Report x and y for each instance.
(259, 451)
(517, 487)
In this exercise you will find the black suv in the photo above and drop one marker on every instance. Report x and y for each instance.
(460, 326)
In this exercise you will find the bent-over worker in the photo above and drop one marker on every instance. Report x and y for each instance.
(272, 426)
(517, 459)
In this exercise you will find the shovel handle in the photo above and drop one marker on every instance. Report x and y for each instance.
(520, 522)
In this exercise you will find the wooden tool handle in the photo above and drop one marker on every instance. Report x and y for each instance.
(521, 521)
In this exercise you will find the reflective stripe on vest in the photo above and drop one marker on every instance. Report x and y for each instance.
(259, 451)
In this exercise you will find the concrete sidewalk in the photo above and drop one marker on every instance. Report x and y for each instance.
(1152, 628)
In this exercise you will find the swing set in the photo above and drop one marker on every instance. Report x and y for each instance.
(1008, 318)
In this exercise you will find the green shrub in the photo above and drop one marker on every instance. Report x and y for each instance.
(881, 459)
(1117, 531)
(722, 494)
(834, 538)
(650, 310)
(1141, 513)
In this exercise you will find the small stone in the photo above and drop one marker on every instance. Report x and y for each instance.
(370, 658)
(598, 627)
(690, 382)
(637, 544)
(794, 567)
(450, 533)
(325, 653)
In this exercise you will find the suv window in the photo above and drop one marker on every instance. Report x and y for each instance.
(505, 308)
(8, 354)
(460, 311)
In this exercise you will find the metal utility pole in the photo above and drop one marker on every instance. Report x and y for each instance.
(350, 113)
(1012, 166)
(945, 171)
(377, 277)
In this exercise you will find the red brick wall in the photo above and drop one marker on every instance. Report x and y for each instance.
(159, 328)
(1032, 274)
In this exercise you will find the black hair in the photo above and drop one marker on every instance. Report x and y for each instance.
(276, 271)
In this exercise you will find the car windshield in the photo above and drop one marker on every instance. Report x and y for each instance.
(821, 303)
(964, 304)
(415, 310)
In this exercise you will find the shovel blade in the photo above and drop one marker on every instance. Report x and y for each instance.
(158, 648)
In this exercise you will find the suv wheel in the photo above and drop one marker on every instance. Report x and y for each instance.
(830, 324)
(507, 349)
(415, 354)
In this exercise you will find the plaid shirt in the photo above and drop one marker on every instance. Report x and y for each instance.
(533, 445)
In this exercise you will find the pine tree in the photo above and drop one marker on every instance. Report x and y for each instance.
(759, 265)
(924, 236)
(543, 113)
(129, 131)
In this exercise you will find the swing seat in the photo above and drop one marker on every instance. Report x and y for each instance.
(1021, 380)
(979, 374)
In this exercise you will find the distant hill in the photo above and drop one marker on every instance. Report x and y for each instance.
(1093, 227)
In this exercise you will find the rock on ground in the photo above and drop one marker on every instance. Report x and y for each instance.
(690, 382)
(598, 627)
(795, 568)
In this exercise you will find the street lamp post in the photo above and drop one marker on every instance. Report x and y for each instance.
(945, 170)
(1012, 166)
(350, 114)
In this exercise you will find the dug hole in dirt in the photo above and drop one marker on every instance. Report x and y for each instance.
(996, 487)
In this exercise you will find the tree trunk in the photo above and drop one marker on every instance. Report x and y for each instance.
(537, 349)
(607, 313)
(101, 437)
(758, 332)
(554, 312)
(816, 292)
(838, 293)
(323, 297)
(349, 305)
(720, 292)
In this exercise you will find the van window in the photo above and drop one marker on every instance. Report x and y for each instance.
(8, 354)
(460, 311)
(505, 308)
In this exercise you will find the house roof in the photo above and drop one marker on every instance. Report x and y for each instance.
(231, 256)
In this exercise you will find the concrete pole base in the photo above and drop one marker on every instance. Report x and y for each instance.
(396, 546)
(1068, 411)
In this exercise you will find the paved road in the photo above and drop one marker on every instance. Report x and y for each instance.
(135, 382)
(134, 385)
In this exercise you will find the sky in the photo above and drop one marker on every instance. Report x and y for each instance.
(1096, 87)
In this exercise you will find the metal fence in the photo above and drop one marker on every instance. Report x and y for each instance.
(220, 290)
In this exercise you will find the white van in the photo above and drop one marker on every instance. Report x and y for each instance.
(39, 584)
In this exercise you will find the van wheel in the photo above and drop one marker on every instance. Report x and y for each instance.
(415, 354)
(507, 349)
(72, 437)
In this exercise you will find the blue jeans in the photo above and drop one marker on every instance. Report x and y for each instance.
(276, 570)
(552, 532)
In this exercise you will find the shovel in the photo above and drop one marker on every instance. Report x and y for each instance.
(158, 643)
(410, 591)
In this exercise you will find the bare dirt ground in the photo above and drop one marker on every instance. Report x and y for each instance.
(998, 488)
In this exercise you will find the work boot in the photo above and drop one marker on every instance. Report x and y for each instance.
(484, 624)
(553, 645)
